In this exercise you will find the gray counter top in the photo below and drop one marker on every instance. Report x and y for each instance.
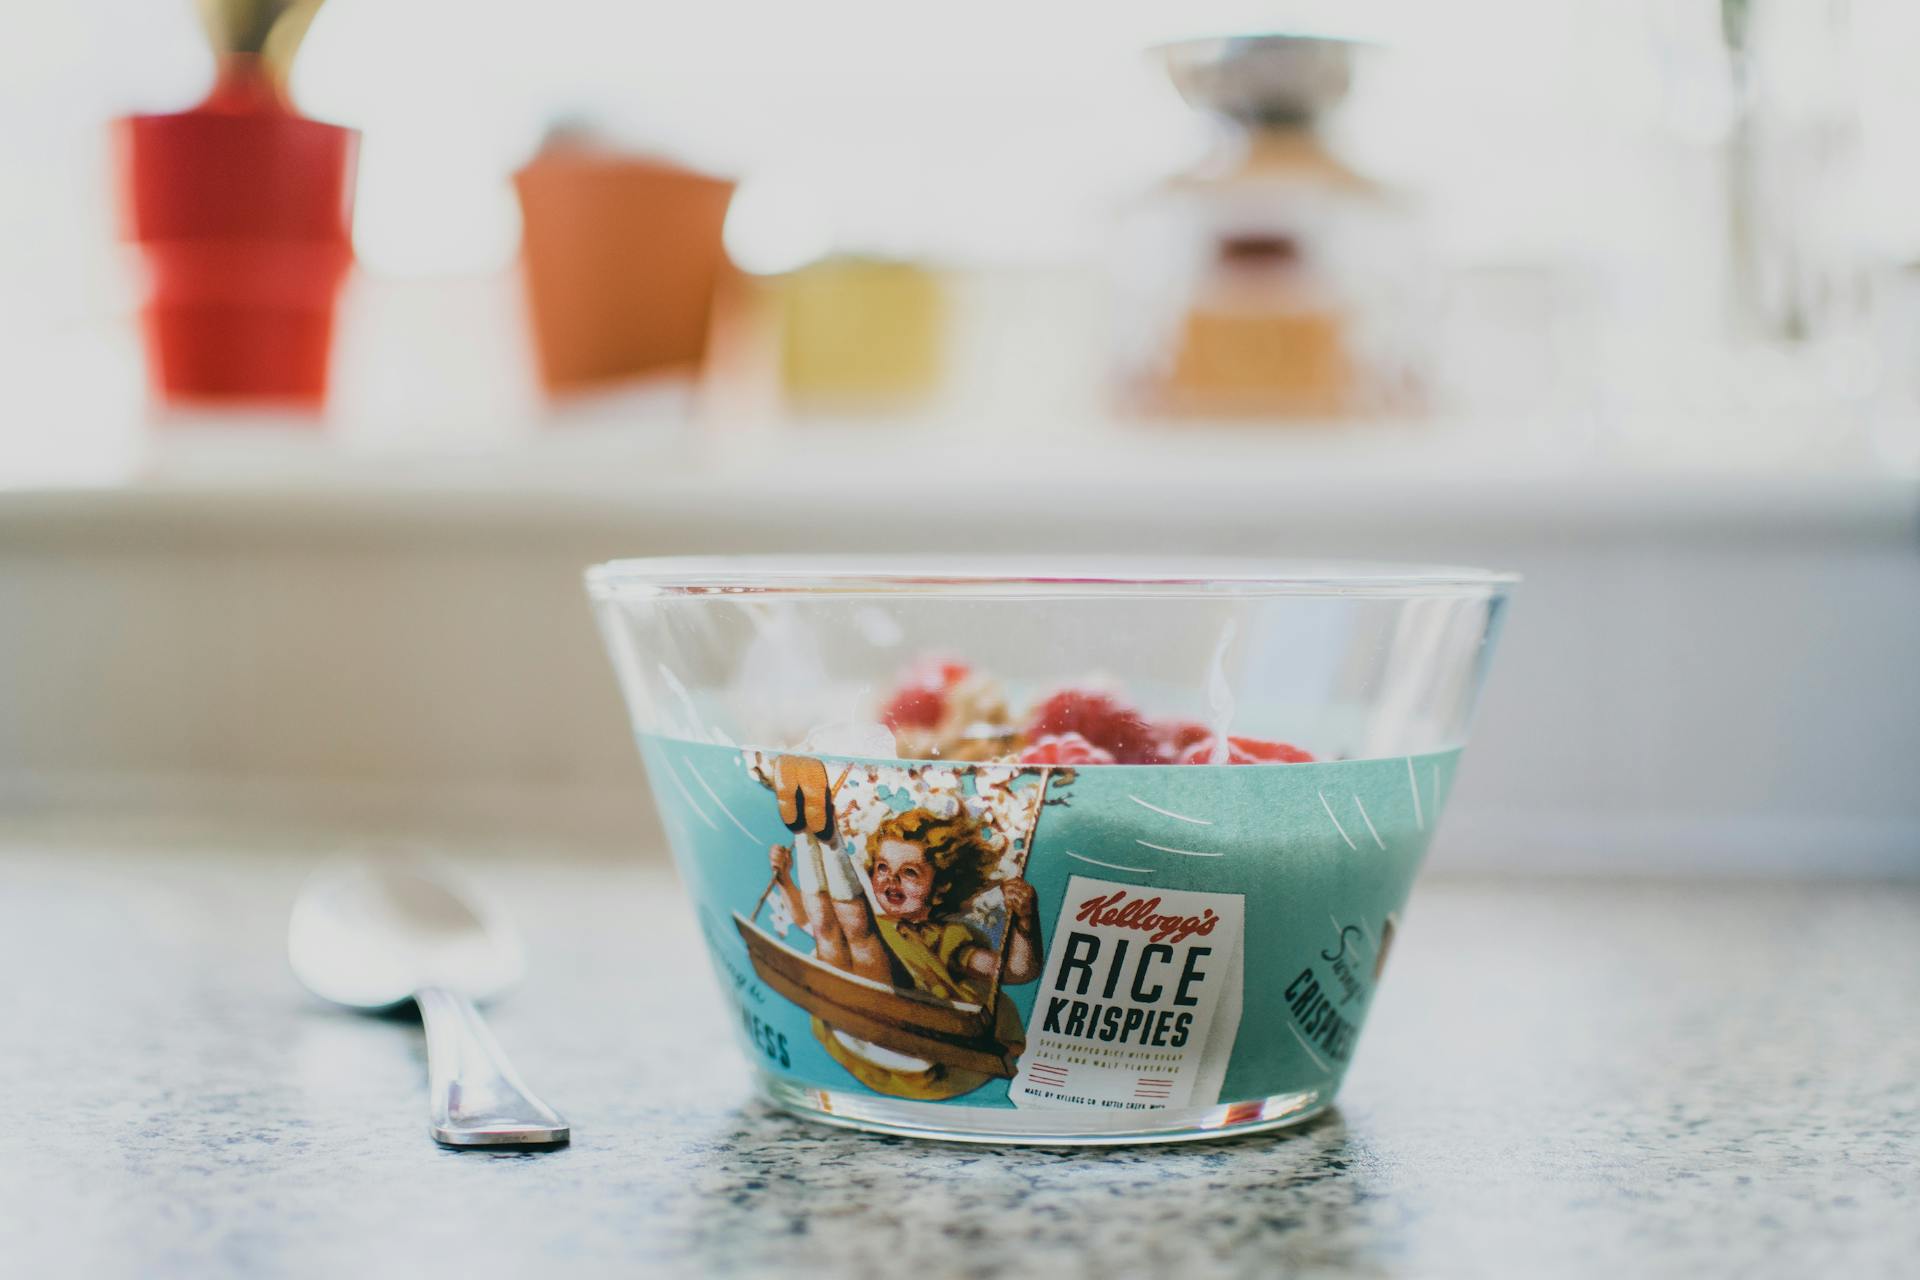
(1560, 1077)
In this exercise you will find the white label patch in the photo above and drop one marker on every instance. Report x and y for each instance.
(1139, 1004)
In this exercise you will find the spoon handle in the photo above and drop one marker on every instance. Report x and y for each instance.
(474, 1097)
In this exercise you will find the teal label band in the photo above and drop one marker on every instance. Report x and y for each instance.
(1122, 938)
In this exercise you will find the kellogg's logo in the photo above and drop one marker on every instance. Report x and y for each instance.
(1120, 911)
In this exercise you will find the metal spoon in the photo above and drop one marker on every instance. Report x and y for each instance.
(373, 937)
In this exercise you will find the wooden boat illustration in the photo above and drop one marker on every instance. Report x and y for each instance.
(948, 1032)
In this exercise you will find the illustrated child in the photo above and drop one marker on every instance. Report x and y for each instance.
(920, 864)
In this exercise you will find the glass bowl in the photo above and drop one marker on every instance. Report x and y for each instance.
(1048, 852)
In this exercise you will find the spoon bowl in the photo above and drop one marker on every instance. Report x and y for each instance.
(372, 938)
(368, 937)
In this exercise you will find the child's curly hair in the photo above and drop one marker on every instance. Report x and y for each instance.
(961, 853)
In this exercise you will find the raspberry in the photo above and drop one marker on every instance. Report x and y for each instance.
(1200, 752)
(1103, 721)
(914, 708)
(1246, 751)
(921, 700)
(1065, 748)
(1177, 735)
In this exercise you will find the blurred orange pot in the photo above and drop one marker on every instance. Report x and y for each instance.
(622, 256)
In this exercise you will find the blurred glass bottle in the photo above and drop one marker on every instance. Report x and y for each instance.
(1792, 160)
(1270, 280)
(1756, 339)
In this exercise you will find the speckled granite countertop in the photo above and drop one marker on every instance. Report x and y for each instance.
(1559, 1078)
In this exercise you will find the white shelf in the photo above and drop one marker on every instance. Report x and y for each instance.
(848, 483)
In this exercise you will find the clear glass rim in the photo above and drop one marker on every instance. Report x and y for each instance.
(1031, 578)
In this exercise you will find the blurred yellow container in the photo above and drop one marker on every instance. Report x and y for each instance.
(861, 330)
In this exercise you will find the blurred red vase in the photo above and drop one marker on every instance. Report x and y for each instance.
(242, 209)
